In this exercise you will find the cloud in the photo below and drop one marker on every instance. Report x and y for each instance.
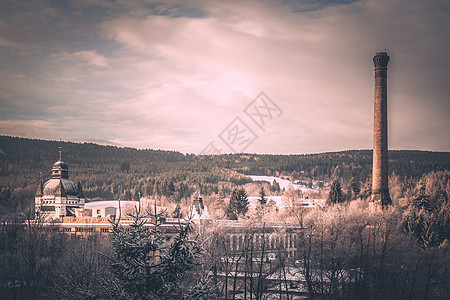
(90, 57)
(11, 38)
(316, 64)
(173, 75)
(228, 62)
(26, 128)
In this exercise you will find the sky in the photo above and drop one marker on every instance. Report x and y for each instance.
(278, 77)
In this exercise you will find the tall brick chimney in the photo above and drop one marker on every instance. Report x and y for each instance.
(380, 189)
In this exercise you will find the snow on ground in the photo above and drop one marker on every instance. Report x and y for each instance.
(109, 203)
(284, 183)
(278, 201)
(306, 203)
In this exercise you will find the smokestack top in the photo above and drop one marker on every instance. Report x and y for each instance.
(380, 60)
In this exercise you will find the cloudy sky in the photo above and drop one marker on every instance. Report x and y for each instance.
(188, 75)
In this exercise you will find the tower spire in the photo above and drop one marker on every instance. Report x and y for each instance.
(60, 153)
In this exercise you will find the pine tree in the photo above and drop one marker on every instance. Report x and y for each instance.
(353, 189)
(422, 200)
(335, 195)
(262, 197)
(147, 265)
(220, 203)
(170, 189)
(354, 186)
(275, 186)
(238, 204)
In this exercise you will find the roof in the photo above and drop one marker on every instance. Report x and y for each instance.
(51, 187)
(60, 164)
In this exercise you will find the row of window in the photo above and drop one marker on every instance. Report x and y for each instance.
(86, 229)
(53, 201)
(288, 241)
(105, 230)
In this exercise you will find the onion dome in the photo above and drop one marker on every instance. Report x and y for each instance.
(60, 185)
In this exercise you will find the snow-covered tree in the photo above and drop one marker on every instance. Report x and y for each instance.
(147, 263)
(238, 204)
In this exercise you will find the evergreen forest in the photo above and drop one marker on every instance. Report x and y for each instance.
(110, 172)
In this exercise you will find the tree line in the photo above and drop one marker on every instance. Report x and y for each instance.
(113, 172)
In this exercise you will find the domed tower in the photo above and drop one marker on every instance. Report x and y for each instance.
(60, 169)
(59, 197)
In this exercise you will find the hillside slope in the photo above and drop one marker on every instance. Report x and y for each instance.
(108, 171)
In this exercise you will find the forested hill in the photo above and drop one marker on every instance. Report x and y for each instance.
(108, 171)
